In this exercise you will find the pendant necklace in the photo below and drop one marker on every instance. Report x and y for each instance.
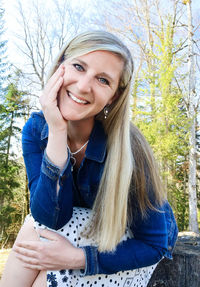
(73, 159)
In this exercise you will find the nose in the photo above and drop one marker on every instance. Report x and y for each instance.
(84, 84)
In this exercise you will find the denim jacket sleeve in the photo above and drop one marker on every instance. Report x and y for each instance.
(153, 238)
(49, 208)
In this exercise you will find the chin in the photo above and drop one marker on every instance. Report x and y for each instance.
(71, 118)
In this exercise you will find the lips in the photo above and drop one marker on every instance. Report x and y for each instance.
(75, 99)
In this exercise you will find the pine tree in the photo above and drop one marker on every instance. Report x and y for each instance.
(12, 107)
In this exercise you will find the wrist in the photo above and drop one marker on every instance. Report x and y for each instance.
(56, 149)
(78, 258)
(60, 132)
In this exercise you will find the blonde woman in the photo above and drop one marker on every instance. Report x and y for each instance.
(99, 213)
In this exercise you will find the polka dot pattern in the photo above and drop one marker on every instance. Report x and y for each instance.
(70, 278)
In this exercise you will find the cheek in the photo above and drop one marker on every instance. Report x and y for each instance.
(69, 76)
(66, 79)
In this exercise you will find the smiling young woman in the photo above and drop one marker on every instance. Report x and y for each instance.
(87, 88)
(99, 215)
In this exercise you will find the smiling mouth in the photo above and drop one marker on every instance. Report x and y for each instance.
(75, 99)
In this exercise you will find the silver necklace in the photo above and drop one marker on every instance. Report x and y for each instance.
(73, 159)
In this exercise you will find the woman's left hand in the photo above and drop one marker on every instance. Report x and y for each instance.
(54, 254)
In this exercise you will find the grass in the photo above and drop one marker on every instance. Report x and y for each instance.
(3, 257)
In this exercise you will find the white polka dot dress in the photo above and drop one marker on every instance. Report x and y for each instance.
(71, 278)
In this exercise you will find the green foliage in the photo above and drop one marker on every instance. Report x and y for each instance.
(12, 109)
(161, 116)
(14, 209)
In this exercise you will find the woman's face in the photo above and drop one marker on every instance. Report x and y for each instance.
(90, 83)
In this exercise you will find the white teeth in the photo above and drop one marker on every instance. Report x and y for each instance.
(76, 99)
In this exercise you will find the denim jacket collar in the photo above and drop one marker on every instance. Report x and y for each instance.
(96, 149)
(45, 132)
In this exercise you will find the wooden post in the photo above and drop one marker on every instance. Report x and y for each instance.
(184, 269)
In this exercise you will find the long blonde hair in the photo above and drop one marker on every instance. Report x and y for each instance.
(130, 167)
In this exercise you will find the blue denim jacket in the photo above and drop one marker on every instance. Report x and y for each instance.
(154, 237)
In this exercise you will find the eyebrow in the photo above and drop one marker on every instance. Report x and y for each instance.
(102, 74)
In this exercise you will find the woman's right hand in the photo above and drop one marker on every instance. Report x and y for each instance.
(56, 148)
(49, 101)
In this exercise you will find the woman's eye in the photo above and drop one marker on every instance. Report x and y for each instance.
(104, 81)
(78, 67)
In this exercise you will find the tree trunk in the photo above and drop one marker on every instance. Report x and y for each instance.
(183, 270)
(9, 138)
(193, 222)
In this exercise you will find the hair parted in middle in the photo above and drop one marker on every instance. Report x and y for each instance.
(129, 157)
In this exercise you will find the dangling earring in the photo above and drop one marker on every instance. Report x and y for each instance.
(106, 111)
